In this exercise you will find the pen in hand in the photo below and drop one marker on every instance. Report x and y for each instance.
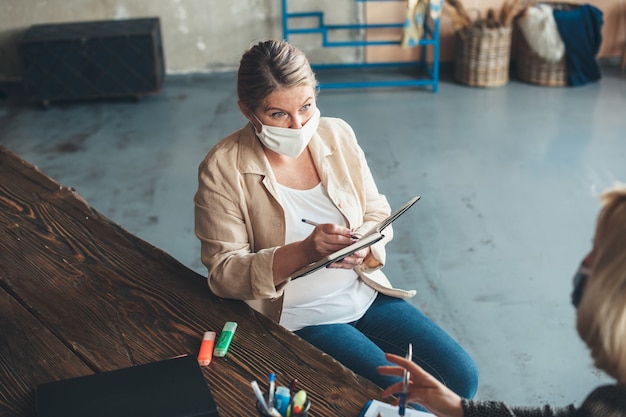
(315, 224)
(312, 223)
(405, 384)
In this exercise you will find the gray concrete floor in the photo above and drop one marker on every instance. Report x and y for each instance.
(509, 179)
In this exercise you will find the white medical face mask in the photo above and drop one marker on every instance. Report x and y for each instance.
(286, 141)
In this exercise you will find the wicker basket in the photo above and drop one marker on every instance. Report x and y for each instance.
(482, 56)
(536, 70)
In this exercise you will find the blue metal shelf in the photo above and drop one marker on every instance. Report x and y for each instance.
(429, 40)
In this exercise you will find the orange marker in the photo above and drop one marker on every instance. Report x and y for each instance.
(206, 349)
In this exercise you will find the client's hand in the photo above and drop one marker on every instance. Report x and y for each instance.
(424, 389)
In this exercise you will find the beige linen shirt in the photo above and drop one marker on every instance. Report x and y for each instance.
(240, 222)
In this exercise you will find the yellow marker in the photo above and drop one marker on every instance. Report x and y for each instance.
(298, 402)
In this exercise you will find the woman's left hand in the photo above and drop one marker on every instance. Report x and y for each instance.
(352, 261)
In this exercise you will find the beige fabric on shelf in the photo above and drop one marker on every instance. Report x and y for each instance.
(414, 22)
(416, 11)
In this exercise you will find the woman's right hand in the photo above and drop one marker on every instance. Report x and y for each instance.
(423, 389)
(325, 239)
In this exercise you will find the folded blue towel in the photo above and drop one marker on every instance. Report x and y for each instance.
(581, 31)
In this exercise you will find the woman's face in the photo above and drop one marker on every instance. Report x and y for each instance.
(287, 107)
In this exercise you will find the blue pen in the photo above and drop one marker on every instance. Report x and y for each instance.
(270, 397)
(405, 384)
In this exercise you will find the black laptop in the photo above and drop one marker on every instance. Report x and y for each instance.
(170, 388)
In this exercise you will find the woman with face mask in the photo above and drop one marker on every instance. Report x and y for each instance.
(600, 298)
(255, 187)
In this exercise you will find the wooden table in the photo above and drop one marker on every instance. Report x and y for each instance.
(80, 295)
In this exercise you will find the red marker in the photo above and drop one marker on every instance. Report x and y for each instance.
(206, 349)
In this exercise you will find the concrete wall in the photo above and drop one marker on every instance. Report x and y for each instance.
(198, 35)
(210, 35)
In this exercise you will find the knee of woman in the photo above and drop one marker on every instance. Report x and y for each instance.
(467, 381)
(459, 373)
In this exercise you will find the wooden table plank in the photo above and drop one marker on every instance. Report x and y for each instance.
(115, 301)
(20, 369)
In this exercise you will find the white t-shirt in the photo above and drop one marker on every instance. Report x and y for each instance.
(328, 295)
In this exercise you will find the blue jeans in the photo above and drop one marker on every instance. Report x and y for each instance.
(389, 325)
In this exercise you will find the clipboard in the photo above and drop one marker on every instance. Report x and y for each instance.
(368, 239)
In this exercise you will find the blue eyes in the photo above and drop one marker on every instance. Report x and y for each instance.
(281, 115)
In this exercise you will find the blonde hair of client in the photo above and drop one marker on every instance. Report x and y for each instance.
(601, 317)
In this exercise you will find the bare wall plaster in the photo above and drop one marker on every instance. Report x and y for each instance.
(198, 35)
(211, 35)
